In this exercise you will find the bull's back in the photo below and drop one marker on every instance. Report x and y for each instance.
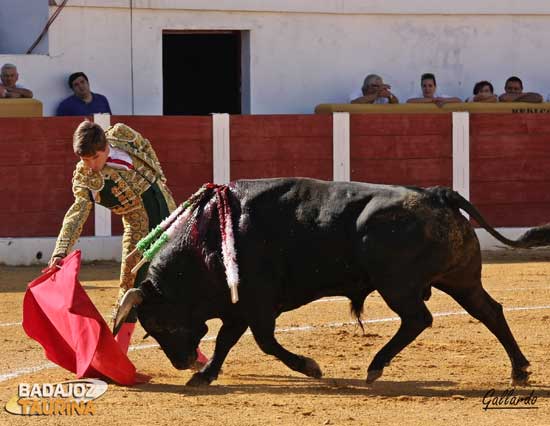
(317, 234)
(307, 231)
(307, 206)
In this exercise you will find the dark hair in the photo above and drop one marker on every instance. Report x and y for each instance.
(481, 84)
(428, 76)
(74, 76)
(516, 79)
(88, 138)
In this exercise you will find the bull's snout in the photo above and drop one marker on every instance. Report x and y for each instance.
(186, 363)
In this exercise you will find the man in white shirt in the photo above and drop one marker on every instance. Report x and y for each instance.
(9, 77)
(374, 91)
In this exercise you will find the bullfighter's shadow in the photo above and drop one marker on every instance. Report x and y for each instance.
(277, 384)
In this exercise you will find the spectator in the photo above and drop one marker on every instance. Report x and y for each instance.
(83, 102)
(374, 91)
(10, 88)
(429, 88)
(483, 92)
(514, 92)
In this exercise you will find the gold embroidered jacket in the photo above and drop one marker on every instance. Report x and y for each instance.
(125, 188)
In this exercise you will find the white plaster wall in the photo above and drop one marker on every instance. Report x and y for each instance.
(299, 60)
(92, 40)
(302, 52)
(21, 22)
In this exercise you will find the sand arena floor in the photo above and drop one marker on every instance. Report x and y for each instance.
(439, 379)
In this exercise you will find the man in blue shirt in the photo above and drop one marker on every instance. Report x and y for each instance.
(83, 102)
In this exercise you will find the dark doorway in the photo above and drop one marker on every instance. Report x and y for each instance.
(201, 72)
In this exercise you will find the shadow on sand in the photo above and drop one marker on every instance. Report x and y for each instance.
(276, 384)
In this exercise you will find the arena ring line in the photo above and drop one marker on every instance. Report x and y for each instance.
(34, 369)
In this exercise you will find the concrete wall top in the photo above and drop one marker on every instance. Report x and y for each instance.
(409, 7)
(302, 53)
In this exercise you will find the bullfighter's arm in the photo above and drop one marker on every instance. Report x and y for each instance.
(73, 222)
(147, 147)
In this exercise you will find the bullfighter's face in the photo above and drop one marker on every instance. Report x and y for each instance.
(171, 326)
(97, 160)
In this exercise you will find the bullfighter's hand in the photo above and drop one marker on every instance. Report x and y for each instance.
(54, 261)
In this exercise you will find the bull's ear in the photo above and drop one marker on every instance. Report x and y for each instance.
(132, 298)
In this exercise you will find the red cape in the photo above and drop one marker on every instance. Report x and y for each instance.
(59, 315)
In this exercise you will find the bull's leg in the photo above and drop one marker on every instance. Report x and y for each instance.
(263, 331)
(483, 307)
(229, 334)
(415, 318)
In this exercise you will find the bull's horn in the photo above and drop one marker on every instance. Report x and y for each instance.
(131, 298)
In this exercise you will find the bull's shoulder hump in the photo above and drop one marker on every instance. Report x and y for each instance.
(317, 191)
(299, 187)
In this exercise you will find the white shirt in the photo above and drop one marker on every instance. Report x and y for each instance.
(119, 159)
(359, 93)
(436, 95)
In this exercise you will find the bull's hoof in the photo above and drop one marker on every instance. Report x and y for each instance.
(373, 375)
(521, 377)
(197, 380)
(312, 369)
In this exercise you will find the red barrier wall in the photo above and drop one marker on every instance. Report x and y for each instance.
(36, 167)
(184, 148)
(280, 146)
(510, 168)
(510, 159)
(405, 149)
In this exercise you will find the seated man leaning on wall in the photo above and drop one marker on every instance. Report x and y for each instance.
(483, 92)
(374, 91)
(83, 101)
(514, 92)
(9, 87)
(428, 85)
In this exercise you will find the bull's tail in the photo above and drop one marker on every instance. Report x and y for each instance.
(535, 237)
(357, 303)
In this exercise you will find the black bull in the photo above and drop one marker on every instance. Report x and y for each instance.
(298, 240)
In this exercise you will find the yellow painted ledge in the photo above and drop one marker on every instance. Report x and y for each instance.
(473, 107)
(20, 108)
